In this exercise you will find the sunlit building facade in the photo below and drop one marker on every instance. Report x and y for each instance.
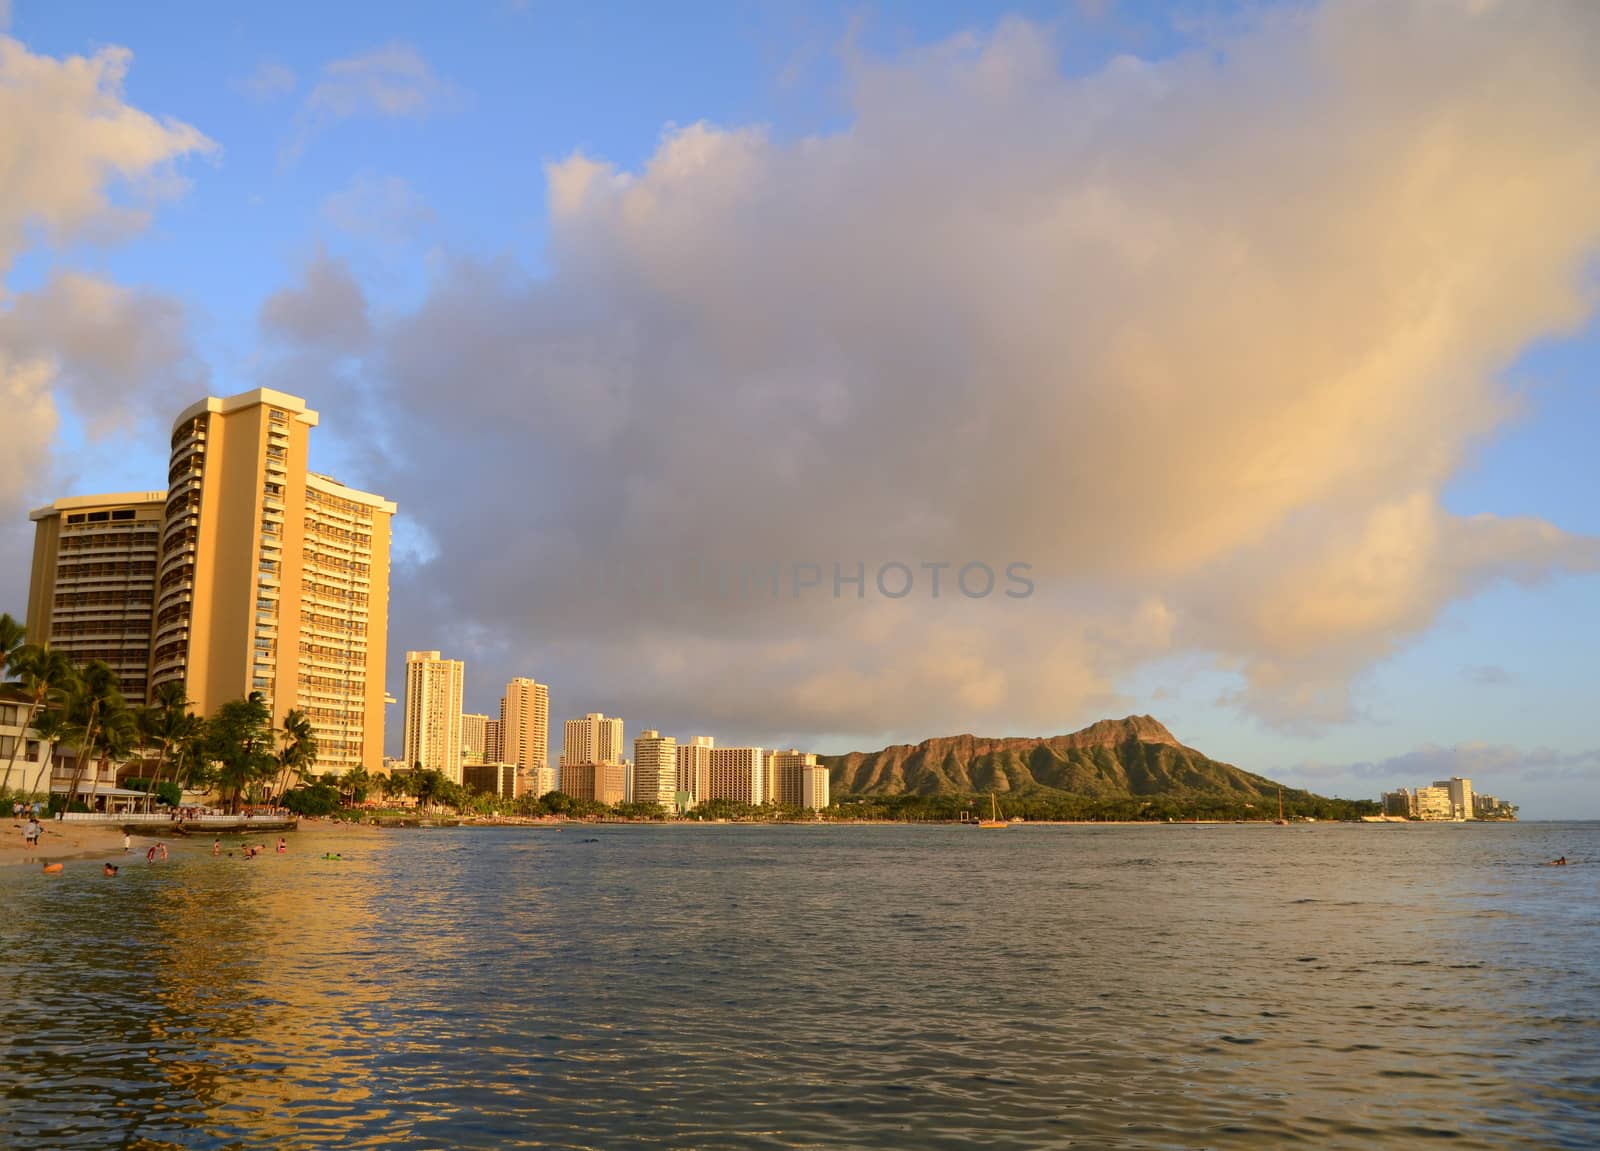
(92, 589)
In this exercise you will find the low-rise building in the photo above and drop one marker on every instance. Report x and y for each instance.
(599, 782)
(491, 778)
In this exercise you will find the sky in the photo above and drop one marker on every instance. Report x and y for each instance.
(1250, 349)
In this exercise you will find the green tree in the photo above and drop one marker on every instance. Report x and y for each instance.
(354, 785)
(299, 750)
(45, 676)
(52, 726)
(239, 745)
(167, 724)
(11, 639)
(94, 697)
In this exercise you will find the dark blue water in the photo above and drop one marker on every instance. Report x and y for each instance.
(1150, 987)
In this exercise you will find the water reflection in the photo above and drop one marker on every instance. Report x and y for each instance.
(742, 987)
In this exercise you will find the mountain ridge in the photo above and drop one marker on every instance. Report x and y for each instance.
(1111, 758)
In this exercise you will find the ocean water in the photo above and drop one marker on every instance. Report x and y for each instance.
(785, 987)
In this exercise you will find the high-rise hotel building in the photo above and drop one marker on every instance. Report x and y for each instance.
(655, 769)
(525, 735)
(93, 586)
(595, 738)
(434, 688)
(268, 578)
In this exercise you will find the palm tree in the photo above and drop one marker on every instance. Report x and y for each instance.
(117, 739)
(11, 638)
(356, 782)
(299, 749)
(95, 695)
(51, 726)
(44, 675)
(168, 723)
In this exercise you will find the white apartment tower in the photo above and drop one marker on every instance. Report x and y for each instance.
(655, 769)
(434, 688)
(1460, 796)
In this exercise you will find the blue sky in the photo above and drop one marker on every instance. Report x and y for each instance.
(401, 197)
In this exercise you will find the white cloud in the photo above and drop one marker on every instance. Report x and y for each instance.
(381, 210)
(270, 81)
(393, 81)
(69, 148)
(1202, 339)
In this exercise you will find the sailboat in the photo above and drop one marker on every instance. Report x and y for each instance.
(1280, 821)
(994, 820)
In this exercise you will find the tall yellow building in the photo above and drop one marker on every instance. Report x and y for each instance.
(434, 688)
(268, 577)
(524, 734)
(93, 586)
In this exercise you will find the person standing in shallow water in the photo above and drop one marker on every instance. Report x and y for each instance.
(283, 845)
(216, 846)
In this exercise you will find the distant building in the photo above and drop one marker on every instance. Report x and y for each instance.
(1460, 796)
(492, 744)
(1434, 803)
(814, 787)
(736, 774)
(655, 769)
(433, 712)
(525, 734)
(694, 771)
(491, 778)
(600, 782)
(593, 739)
(785, 776)
(474, 738)
(1400, 802)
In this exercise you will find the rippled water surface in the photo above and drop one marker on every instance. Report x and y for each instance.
(1152, 987)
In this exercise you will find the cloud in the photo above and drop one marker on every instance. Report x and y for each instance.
(1490, 763)
(1488, 675)
(270, 81)
(1201, 339)
(393, 81)
(71, 150)
(67, 139)
(115, 352)
(327, 312)
(382, 210)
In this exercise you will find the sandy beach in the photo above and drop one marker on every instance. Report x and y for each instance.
(59, 842)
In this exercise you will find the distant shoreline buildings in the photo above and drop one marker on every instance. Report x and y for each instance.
(509, 757)
(1446, 800)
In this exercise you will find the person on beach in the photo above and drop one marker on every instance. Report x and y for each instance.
(127, 843)
(30, 833)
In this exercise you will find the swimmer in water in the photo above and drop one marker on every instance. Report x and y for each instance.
(110, 869)
(1562, 862)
